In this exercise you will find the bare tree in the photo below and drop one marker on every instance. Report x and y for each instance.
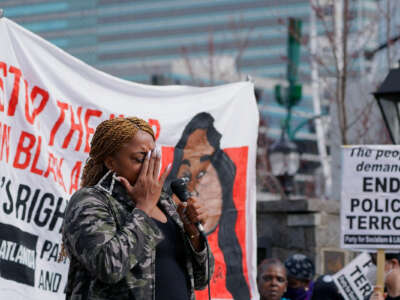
(349, 72)
(347, 33)
(210, 65)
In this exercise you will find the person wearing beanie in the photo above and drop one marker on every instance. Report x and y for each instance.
(300, 272)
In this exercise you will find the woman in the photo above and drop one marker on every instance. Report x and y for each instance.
(125, 238)
(392, 279)
(300, 273)
(271, 279)
(210, 175)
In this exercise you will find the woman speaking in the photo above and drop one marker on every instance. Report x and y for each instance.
(125, 237)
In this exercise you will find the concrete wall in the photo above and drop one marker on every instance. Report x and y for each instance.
(308, 226)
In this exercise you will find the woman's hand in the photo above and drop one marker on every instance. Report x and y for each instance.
(147, 189)
(195, 211)
(377, 296)
(191, 212)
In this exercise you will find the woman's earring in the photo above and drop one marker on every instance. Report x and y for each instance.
(113, 178)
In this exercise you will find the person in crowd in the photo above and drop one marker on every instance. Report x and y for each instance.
(300, 273)
(325, 289)
(124, 236)
(210, 175)
(392, 279)
(271, 279)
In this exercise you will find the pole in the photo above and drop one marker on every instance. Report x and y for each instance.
(380, 272)
(319, 128)
(291, 96)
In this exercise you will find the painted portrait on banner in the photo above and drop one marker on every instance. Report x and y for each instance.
(211, 174)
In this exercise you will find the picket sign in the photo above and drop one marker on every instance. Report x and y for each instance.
(352, 281)
(370, 201)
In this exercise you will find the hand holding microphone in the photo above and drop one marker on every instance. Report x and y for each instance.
(194, 211)
(191, 210)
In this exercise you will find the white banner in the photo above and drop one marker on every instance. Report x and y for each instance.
(50, 104)
(353, 280)
(370, 202)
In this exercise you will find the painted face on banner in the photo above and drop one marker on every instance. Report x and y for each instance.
(201, 176)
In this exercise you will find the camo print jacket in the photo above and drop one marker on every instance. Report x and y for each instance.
(112, 245)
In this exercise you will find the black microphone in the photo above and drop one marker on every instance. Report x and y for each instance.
(178, 187)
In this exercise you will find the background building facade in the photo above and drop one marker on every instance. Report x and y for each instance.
(200, 42)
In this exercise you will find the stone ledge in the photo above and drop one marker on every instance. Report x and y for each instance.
(311, 219)
(298, 206)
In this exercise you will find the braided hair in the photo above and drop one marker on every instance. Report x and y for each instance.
(109, 137)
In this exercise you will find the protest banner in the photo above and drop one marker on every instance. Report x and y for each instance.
(370, 199)
(353, 281)
(50, 105)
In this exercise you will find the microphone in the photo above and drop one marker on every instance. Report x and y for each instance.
(178, 187)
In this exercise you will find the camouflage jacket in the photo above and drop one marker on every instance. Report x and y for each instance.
(111, 246)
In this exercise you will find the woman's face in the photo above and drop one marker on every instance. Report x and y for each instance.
(203, 182)
(127, 162)
(272, 283)
(297, 283)
(392, 272)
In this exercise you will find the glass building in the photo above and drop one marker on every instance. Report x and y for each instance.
(134, 39)
(140, 40)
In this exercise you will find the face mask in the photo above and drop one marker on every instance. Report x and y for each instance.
(296, 293)
(388, 272)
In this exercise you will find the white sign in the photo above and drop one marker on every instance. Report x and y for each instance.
(370, 202)
(50, 104)
(353, 280)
